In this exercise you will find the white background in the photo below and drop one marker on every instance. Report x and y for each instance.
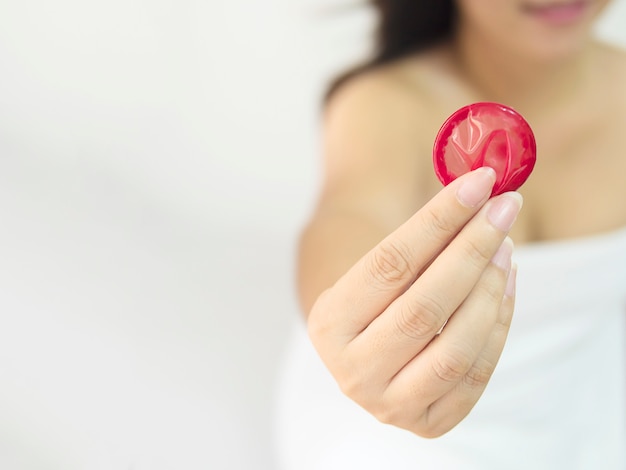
(157, 159)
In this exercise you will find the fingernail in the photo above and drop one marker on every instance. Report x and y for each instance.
(504, 210)
(477, 187)
(509, 291)
(502, 258)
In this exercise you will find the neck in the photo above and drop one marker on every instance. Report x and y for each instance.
(521, 82)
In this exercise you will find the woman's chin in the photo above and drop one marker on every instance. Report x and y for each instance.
(549, 48)
(557, 52)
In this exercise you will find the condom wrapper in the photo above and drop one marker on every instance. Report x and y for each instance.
(486, 134)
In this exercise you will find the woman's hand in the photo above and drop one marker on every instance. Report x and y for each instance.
(414, 330)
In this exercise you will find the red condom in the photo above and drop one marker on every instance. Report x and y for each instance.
(486, 134)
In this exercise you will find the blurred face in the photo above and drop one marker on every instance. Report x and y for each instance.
(543, 30)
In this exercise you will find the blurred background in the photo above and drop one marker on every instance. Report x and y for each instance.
(157, 160)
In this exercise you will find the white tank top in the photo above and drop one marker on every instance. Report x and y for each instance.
(556, 401)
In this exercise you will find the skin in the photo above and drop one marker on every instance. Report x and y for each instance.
(388, 257)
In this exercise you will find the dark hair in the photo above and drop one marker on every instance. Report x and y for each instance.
(404, 27)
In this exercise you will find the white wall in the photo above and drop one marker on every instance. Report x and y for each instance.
(157, 159)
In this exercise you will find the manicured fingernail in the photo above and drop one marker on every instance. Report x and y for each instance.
(477, 187)
(502, 258)
(509, 291)
(504, 210)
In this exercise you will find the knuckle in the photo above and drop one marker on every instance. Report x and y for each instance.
(351, 380)
(421, 318)
(318, 321)
(390, 263)
(438, 225)
(430, 428)
(451, 366)
(317, 330)
(479, 375)
(354, 379)
(351, 386)
(492, 292)
(388, 414)
(477, 252)
(390, 409)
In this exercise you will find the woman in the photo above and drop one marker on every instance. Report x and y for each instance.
(409, 289)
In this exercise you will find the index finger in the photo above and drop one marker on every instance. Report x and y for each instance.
(387, 270)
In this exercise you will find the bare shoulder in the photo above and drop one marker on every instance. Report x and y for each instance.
(401, 87)
(389, 113)
(375, 147)
(382, 99)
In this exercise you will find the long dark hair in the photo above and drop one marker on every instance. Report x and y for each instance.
(404, 27)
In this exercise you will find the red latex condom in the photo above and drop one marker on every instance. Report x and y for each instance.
(486, 134)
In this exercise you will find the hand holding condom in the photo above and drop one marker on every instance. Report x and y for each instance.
(413, 331)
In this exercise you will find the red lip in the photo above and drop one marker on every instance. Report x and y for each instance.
(558, 13)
